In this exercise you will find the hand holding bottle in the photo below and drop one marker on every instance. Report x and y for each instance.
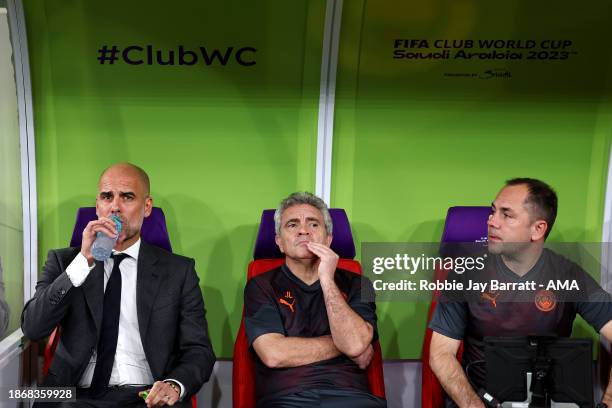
(99, 238)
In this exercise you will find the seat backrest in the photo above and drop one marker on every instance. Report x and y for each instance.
(153, 231)
(342, 243)
(267, 256)
(463, 224)
(466, 224)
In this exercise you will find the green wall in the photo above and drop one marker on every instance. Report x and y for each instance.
(220, 143)
(409, 142)
(223, 142)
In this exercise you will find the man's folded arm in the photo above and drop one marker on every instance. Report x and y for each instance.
(267, 336)
(278, 351)
(48, 306)
(196, 356)
(351, 333)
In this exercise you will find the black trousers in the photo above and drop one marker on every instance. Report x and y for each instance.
(121, 396)
(324, 398)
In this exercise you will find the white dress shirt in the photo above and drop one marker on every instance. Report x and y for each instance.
(130, 366)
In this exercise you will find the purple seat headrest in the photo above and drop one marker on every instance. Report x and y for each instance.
(153, 230)
(342, 243)
(466, 224)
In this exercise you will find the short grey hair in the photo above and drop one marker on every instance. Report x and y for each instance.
(303, 197)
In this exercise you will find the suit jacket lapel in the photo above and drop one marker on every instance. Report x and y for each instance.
(93, 288)
(147, 286)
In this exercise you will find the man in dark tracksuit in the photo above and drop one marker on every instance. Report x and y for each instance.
(306, 321)
(522, 216)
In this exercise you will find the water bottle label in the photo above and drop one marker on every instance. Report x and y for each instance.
(102, 247)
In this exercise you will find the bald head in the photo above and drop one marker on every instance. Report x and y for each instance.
(123, 190)
(129, 169)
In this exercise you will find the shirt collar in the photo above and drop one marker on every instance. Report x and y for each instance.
(529, 275)
(132, 250)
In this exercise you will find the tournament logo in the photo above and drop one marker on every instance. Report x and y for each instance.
(545, 300)
(288, 301)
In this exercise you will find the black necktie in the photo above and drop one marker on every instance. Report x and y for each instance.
(107, 344)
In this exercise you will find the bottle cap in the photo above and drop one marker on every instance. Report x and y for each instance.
(117, 223)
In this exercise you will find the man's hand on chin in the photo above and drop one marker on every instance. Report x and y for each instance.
(328, 260)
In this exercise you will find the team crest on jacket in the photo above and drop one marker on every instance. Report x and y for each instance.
(545, 300)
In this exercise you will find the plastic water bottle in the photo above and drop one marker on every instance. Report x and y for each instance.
(102, 247)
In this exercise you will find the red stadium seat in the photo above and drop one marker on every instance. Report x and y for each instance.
(243, 382)
(463, 224)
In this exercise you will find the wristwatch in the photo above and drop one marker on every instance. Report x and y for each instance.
(177, 387)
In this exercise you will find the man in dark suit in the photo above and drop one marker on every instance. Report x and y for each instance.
(131, 323)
